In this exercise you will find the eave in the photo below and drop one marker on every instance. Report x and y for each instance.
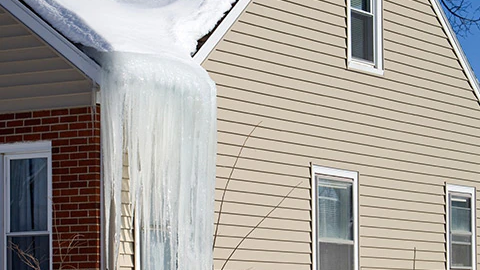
(49, 35)
(93, 70)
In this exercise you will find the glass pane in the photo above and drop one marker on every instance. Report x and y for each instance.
(36, 249)
(335, 215)
(28, 195)
(461, 215)
(335, 256)
(362, 36)
(361, 4)
(462, 238)
(461, 255)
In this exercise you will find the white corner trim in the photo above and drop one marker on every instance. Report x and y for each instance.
(221, 30)
(54, 39)
(339, 173)
(313, 214)
(456, 47)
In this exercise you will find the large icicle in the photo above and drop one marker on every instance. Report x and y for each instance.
(159, 106)
(162, 111)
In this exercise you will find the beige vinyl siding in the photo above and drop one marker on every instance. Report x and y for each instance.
(126, 259)
(33, 76)
(407, 133)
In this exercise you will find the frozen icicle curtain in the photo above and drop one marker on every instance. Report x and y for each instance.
(162, 112)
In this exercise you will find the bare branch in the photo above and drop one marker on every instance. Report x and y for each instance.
(462, 16)
(228, 181)
(26, 256)
(258, 224)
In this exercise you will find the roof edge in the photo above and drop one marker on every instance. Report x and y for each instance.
(221, 30)
(54, 39)
(456, 47)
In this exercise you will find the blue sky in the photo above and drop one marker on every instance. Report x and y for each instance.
(471, 47)
(471, 43)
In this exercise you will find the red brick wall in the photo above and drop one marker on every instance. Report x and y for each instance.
(75, 136)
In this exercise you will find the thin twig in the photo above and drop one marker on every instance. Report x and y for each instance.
(414, 257)
(228, 182)
(25, 256)
(258, 224)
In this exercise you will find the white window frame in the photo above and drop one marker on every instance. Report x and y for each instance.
(336, 173)
(468, 192)
(19, 151)
(375, 67)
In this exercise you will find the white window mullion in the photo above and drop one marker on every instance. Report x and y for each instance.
(362, 12)
(28, 233)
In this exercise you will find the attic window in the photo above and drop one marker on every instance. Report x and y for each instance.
(365, 42)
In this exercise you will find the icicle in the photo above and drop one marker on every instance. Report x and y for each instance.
(162, 111)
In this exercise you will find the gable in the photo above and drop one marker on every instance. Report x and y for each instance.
(284, 64)
(33, 75)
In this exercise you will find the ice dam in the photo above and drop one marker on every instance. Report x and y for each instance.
(159, 107)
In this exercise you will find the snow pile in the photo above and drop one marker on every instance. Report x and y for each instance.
(141, 26)
(160, 108)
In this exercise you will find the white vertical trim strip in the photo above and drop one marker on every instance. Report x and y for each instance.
(50, 204)
(340, 173)
(470, 191)
(53, 38)
(3, 174)
(313, 202)
(221, 30)
(456, 47)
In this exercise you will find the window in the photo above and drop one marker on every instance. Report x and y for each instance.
(460, 227)
(335, 226)
(25, 171)
(365, 42)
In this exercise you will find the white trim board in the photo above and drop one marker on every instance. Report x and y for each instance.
(54, 39)
(456, 47)
(221, 30)
(26, 147)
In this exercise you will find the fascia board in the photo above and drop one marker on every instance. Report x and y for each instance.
(456, 47)
(221, 30)
(54, 39)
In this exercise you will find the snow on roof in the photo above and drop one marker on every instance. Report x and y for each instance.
(141, 26)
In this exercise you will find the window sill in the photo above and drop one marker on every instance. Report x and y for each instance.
(359, 66)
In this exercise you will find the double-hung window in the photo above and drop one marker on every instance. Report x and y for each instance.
(25, 172)
(365, 42)
(335, 229)
(461, 227)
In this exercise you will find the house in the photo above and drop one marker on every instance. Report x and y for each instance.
(369, 121)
